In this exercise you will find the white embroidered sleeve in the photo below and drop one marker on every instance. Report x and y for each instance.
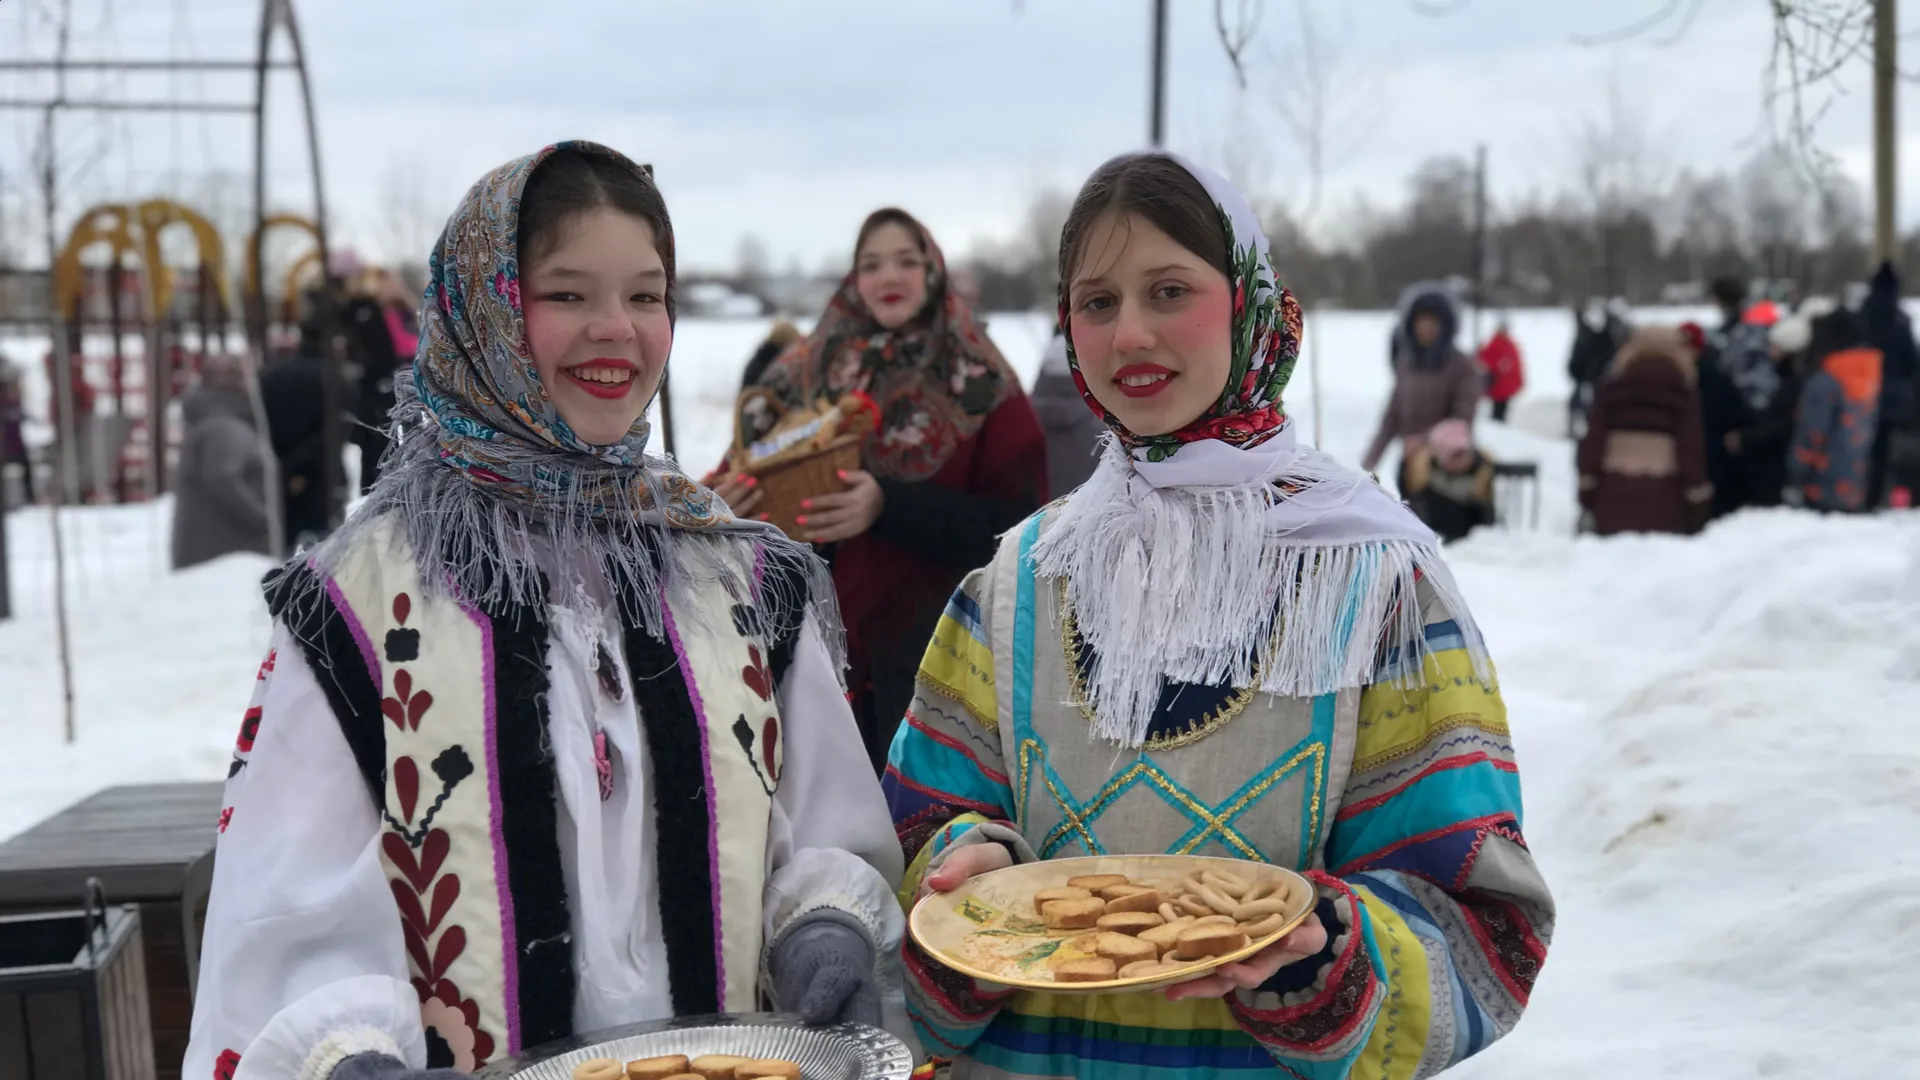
(832, 844)
(302, 962)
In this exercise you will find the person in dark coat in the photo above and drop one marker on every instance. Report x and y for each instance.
(1598, 334)
(13, 442)
(1642, 463)
(1885, 327)
(381, 338)
(779, 339)
(220, 500)
(1724, 408)
(1073, 431)
(1760, 447)
(293, 392)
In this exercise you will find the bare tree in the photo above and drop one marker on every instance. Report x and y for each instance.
(753, 263)
(1046, 217)
(1324, 102)
(409, 217)
(1620, 166)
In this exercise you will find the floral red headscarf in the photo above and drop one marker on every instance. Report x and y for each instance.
(934, 379)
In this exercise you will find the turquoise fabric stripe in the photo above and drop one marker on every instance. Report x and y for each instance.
(1023, 635)
(1437, 801)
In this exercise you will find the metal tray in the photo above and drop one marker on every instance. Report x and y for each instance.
(835, 1052)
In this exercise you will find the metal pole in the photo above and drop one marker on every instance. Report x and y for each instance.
(1886, 75)
(333, 471)
(1158, 120)
(1479, 237)
(63, 370)
(116, 281)
(666, 413)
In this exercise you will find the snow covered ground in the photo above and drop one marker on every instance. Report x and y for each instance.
(1720, 761)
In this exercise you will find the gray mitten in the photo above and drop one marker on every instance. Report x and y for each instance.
(382, 1067)
(823, 970)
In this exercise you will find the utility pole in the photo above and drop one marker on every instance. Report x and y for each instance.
(1157, 121)
(1886, 76)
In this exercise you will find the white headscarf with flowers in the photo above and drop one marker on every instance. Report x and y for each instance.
(1229, 553)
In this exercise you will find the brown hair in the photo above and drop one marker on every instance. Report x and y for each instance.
(1157, 188)
(889, 215)
(572, 182)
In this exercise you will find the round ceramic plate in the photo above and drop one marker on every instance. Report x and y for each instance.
(989, 929)
(836, 1052)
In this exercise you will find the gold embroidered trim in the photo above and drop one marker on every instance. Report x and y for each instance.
(1199, 729)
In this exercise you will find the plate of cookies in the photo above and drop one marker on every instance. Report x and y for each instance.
(1110, 923)
(741, 1047)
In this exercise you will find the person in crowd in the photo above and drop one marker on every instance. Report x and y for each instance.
(1642, 464)
(1885, 326)
(1829, 465)
(783, 336)
(293, 392)
(1506, 371)
(381, 339)
(1736, 378)
(1598, 334)
(1222, 625)
(1073, 433)
(959, 456)
(220, 483)
(1450, 482)
(1759, 450)
(548, 741)
(13, 441)
(1433, 380)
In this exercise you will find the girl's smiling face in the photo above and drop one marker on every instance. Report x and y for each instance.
(890, 273)
(597, 323)
(1151, 324)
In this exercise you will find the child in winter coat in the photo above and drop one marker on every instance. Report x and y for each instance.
(548, 740)
(1506, 372)
(1450, 482)
(1642, 462)
(1224, 643)
(1828, 466)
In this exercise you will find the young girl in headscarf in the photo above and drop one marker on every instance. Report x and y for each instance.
(1226, 644)
(548, 741)
(959, 457)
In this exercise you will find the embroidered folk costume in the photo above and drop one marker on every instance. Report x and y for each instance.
(547, 741)
(1228, 644)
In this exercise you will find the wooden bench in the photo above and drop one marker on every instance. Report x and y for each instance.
(150, 845)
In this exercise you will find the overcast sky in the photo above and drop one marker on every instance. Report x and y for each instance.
(790, 120)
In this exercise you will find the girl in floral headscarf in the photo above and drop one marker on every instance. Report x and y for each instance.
(1226, 644)
(959, 456)
(548, 741)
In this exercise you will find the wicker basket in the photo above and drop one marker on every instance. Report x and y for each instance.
(791, 477)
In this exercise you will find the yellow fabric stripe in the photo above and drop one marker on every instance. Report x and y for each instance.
(917, 869)
(1395, 721)
(1144, 1010)
(1399, 1036)
(961, 666)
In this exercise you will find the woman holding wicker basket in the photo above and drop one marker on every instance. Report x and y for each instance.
(951, 455)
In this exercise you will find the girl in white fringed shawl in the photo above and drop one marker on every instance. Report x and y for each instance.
(548, 742)
(1224, 643)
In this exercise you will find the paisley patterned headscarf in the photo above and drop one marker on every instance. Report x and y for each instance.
(490, 480)
(935, 379)
(1226, 553)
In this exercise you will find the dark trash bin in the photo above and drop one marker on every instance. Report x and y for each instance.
(73, 995)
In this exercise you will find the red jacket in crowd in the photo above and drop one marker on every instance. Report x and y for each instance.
(1506, 374)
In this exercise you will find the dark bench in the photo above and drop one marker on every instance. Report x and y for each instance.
(150, 845)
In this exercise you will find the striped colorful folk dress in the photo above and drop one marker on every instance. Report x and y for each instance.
(1400, 798)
